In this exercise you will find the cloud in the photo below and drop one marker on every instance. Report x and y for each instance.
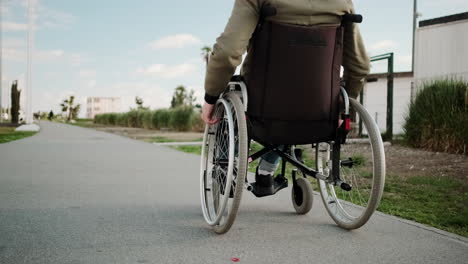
(14, 43)
(87, 74)
(175, 41)
(153, 95)
(43, 56)
(13, 26)
(168, 71)
(14, 55)
(91, 83)
(43, 17)
(383, 45)
(54, 19)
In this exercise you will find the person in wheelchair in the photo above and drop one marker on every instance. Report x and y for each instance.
(239, 36)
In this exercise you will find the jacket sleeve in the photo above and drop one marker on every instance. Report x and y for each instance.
(230, 46)
(356, 62)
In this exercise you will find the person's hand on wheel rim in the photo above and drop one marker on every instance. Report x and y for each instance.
(207, 114)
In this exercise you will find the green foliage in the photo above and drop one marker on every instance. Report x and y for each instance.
(15, 102)
(438, 117)
(121, 120)
(161, 118)
(181, 118)
(182, 98)
(146, 119)
(68, 105)
(139, 103)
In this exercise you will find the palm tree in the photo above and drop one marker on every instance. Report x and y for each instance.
(68, 106)
(206, 52)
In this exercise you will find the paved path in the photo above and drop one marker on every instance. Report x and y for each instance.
(75, 195)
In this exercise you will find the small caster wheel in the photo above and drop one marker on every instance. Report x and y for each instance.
(302, 196)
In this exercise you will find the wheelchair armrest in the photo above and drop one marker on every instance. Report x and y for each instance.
(237, 78)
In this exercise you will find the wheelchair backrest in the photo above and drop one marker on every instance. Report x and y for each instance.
(294, 83)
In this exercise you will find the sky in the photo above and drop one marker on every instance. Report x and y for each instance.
(146, 48)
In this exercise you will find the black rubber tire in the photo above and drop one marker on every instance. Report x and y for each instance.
(302, 196)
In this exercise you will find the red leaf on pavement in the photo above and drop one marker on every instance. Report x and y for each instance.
(235, 259)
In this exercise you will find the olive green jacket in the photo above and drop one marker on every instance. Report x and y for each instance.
(233, 42)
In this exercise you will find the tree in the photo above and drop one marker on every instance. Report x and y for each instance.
(206, 52)
(51, 115)
(191, 98)
(139, 103)
(182, 98)
(72, 109)
(15, 102)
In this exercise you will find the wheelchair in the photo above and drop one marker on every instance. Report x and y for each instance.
(347, 160)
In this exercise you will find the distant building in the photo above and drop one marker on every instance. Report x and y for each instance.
(441, 48)
(102, 105)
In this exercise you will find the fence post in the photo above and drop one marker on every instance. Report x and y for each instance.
(389, 132)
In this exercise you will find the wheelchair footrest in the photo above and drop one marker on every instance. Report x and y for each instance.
(280, 182)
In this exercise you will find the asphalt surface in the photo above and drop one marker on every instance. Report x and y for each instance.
(75, 195)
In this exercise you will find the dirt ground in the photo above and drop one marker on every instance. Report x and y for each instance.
(400, 160)
(404, 161)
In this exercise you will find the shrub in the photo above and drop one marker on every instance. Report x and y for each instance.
(181, 118)
(438, 117)
(98, 119)
(111, 118)
(161, 118)
(132, 118)
(146, 119)
(197, 123)
(121, 119)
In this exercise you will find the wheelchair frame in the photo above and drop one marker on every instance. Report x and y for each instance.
(330, 172)
(286, 157)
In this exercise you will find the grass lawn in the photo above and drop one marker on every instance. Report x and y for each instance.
(436, 201)
(189, 149)
(8, 134)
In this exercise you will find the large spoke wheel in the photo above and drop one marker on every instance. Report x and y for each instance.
(224, 164)
(362, 166)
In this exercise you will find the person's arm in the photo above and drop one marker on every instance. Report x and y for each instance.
(356, 63)
(230, 46)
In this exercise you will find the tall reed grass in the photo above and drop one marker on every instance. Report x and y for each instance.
(438, 117)
(178, 119)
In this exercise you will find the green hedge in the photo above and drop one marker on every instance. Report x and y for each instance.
(438, 117)
(179, 119)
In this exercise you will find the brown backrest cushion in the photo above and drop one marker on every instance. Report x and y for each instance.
(294, 79)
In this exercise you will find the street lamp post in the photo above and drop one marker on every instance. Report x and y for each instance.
(415, 18)
(1, 61)
(28, 114)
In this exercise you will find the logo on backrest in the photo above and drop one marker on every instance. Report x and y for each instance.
(308, 41)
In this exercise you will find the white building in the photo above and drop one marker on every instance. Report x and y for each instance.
(442, 48)
(375, 99)
(441, 51)
(102, 105)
